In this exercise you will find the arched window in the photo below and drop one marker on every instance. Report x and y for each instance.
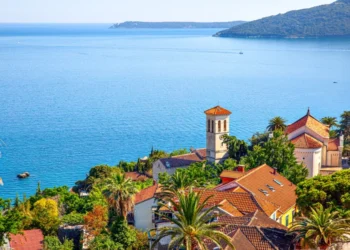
(225, 126)
(212, 126)
(219, 126)
(208, 129)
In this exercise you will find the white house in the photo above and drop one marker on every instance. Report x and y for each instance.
(313, 147)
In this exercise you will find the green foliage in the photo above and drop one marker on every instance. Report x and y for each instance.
(73, 218)
(10, 220)
(258, 139)
(181, 151)
(123, 234)
(276, 123)
(143, 184)
(278, 152)
(45, 215)
(345, 125)
(53, 243)
(105, 242)
(127, 166)
(236, 148)
(141, 242)
(329, 191)
(321, 21)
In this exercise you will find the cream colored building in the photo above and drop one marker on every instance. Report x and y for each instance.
(313, 147)
(218, 125)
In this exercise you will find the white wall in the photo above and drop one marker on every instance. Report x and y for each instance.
(311, 158)
(333, 158)
(216, 150)
(143, 215)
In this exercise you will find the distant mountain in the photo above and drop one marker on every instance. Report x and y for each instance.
(331, 20)
(174, 25)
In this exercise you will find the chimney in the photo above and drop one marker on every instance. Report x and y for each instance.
(240, 168)
(274, 171)
(341, 139)
(154, 182)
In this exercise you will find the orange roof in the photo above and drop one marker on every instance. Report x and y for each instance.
(258, 179)
(217, 110)
(231, 174)
(136, 176)
(229, 208)
(306, 141)
(333, 144)
(310, 122)
(31, 239)
(146, 194)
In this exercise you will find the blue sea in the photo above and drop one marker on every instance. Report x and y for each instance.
(74, 96)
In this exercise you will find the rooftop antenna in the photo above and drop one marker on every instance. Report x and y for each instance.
(308, 111)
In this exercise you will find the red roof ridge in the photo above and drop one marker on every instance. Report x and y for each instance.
(217, 110)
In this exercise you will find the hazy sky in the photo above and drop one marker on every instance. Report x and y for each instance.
(111, 11)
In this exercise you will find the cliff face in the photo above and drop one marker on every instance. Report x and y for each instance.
(175, 25)
(321, 21)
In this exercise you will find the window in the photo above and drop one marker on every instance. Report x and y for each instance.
(208, 126)
(287, 221)
(225, 126)
(219, 126)
(274, 216)
(212, 126)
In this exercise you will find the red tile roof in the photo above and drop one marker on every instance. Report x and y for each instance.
(136, 176)
(30, 240)
(257, 179)
(230, 208)
(146, 194)
(310, 122)
(306, 141)
(231, 174)
(217, 110)
(197, 155)
(333, 144)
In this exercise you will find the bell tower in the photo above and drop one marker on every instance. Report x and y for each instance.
(218, 124)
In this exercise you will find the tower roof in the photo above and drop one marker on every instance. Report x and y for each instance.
(217, 110)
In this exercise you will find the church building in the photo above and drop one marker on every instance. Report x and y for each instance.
(313, 146)
(217, 125)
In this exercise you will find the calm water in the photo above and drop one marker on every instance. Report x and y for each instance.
(74, 96)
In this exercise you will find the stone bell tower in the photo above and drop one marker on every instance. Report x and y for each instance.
(218, 124)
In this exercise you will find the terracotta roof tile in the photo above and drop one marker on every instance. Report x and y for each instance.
(262, 220)
(217, 110)
(30, 240)
(231, 174)
(333, 144)
(310, 122)
(256, 238)
(146, 194)
(136, 176)
(229, 208)
(306, 141)
(197, 155)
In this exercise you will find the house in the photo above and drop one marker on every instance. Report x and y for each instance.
(313, 146)
(29, 240)
(145, 206)
(217, 125)
(272, 191)
(170, 164)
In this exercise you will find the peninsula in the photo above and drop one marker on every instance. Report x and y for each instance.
(175, 25)
(331, 20)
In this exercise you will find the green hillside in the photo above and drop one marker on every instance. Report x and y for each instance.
(331, 20)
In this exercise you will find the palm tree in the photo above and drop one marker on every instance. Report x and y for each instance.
(178, 182)
(119, 192)
(191, 223)
(330, 121)
(321, 228)
(276, 123)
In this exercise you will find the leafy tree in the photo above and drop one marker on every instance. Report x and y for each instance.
(276, 123)
(96, 220)
(123, 234)
(53, 243)
(127, 166)
(236, 148)
(120, 192)
(328, 191)
(230, 164)
(278, 152)
(181, 151)
(141, 242)
(258, 139)
(10, 220)
(191, 227)
(73, 218)
(321, 228)
(105, 242)
(330, 121)
(45, 215)
(345, 125)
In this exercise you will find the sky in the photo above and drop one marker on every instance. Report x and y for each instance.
(114, 11)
